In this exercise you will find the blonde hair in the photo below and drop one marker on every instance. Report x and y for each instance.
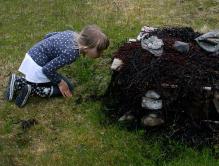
(91, 36)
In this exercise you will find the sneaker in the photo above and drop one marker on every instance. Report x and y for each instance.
(23, 96)
(9, 94)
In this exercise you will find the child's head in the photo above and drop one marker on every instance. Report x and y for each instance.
(92, 41)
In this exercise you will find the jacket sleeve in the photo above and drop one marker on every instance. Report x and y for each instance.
(50, 34)
(50, 69)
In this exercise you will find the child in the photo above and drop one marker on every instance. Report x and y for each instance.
(41, 62)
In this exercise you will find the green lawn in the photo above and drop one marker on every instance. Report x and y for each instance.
(73, 132)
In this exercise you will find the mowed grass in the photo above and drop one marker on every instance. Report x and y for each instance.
(73, 131)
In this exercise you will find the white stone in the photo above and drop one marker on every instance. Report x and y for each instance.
(116, 65)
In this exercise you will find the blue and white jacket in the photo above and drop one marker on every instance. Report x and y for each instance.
(56, 50)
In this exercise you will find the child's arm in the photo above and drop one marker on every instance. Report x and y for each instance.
(64, 59)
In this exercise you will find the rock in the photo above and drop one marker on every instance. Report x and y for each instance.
(151, 101)
(209, 41)
(153, 44)
(152, 94)
(181, 46)
(116, 65)
(216, 101)
(152, 120)
(127, 117)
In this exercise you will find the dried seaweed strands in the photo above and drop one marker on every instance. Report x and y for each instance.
(185, 101)
(169, 54)
(136, 67)
(185, 34)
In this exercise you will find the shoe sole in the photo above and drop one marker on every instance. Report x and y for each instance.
(26, 95)
(10, 89)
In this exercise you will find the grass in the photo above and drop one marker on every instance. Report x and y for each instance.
(72, 132)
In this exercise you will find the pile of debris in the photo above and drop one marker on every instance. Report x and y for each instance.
(168, 79)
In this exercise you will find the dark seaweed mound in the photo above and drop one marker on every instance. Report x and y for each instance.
(179, 79)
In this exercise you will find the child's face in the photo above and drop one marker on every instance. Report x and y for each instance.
(92, 52)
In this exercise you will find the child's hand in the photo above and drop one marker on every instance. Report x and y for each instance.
(63, 87)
